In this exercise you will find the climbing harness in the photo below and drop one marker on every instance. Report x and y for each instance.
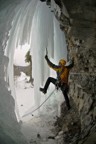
(41, 103)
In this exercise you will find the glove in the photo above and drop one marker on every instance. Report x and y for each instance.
(46, 57)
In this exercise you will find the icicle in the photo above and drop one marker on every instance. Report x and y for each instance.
(45, 32)
(41, 27)
(36, 25)
(16, 37)
(59, 42)
(14, 33)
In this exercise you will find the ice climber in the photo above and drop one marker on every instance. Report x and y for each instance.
(62, 78)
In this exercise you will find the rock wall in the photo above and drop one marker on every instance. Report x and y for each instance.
(19, 69)
(79, 26)
(81, 39)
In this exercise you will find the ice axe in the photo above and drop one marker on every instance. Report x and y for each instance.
(46, 51)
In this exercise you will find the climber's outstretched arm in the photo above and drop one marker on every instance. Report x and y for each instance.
(51, 65)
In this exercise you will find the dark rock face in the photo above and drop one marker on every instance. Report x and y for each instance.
(58, 2)
(80, 32)
(68, 125)
(19, 69)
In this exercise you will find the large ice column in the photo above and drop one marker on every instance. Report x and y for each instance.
(10, 54)
(41, 30)
(35, 24)
(45, 32)
(60, 50)
(17, 35)
(9, 127)
(27, 9)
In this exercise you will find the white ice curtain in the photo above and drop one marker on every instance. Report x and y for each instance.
(35, 24)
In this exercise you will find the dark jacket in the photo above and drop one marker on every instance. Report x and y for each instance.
(61, 69)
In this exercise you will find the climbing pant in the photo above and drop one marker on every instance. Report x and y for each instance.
(64, 88)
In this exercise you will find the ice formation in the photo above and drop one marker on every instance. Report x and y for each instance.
(36, 25)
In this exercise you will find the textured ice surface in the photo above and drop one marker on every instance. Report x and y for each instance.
(26, 21)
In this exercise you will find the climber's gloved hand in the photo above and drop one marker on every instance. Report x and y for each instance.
(46, 56)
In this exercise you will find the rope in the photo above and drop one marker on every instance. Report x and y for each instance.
(41, 104)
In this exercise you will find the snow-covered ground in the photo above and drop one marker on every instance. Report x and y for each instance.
(34, 124)
(24, 93)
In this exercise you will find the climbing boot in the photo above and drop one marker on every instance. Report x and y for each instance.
(42, 90)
